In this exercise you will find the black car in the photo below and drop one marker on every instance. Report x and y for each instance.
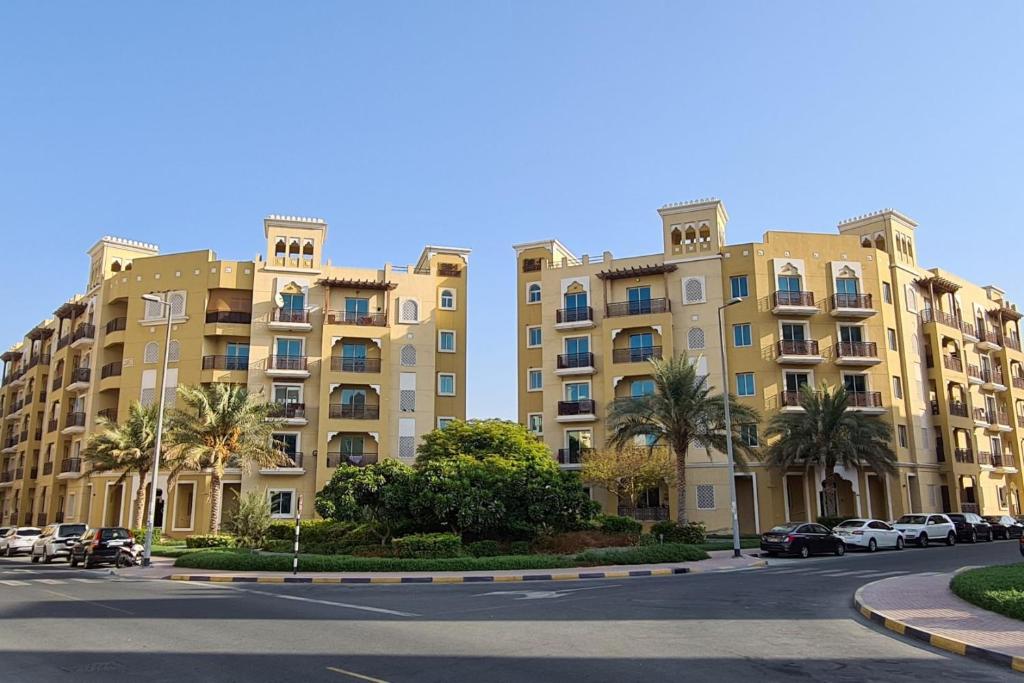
(100, 545)
(970, 527)
(801, 538)
(1005, 526)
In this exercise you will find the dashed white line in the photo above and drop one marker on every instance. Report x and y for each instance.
(13, 582)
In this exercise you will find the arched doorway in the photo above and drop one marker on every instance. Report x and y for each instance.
(837, 497)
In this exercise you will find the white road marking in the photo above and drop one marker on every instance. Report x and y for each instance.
(52, 582)
(281, 596)
(543, 595)
(353, 674)
(87, 580)
(90, 602)
(13, 582)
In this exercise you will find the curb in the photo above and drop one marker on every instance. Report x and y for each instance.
(957, 647)
(506, 578)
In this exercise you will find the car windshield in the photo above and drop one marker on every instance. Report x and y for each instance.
(912, 519)
(28, 532)
(957, 518)
(851, 523)
(783, 528)
(72, 530)
(991, 518)
(108, 534)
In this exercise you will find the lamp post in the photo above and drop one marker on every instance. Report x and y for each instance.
(728, 429)
(151, 519)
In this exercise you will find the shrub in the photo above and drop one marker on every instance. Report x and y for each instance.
(648, 554)
(673, 532)
(429, 545)
(648, 539)
(831, 522)
(312, 530)
(519, 548)
(251, 521)
(613, 524)
(999, 588)
(140, 535)
(572, 542)
(210, 541)
(484, 549)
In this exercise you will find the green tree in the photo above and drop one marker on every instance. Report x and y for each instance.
(127, 447)
(252, 521)
(682, 412)
(629, 471)
(481, 439)
(221, 424)
(380, 493)
(825, 433)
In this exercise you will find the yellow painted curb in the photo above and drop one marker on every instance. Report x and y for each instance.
(507, 579)
(320, 579)
(221, 579)
(447, 579)
(270, 579)
(564, 577)
(948, 644)
(1018, 664)
(616, 575)
(385, 579)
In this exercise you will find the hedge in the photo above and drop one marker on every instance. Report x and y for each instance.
(674, 532)
(210, 541)
(434, 545)
(236, 561)
(312, 531)
(613, 524)
(999, 589)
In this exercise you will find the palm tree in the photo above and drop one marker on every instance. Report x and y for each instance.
(218, 426)
(682, 412)
(127, 447)
(826, 434)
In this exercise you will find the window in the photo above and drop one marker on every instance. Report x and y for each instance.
(902, 431)
(173, 351)
(408, 355)
(738, 286)
(535, 381)
(410, 311)
(887, 292)
(177, 302)
(533, 337)
(890, 334)
(897, 387)
(748, 434)
(693, 290)
(289, 443)
(695, 338)
(639, 299)
(641, 387)
(281, 503)
(846, 287)
(1001, 493)
(154, 310)
(533, 293)
(741, 335)
(446, 341)
(406, 446)
(292, 303)
(447, 299)
(356, 308)
(705, 496)
(287, 393)
(577, 391)
(150, 352)
(446, 384)
(855, 384)
(443, 422)
(789, 283)
(237, 356)
(535, 422)
(745, 384)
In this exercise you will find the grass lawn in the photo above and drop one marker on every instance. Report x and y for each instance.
(724, 544)
(999, 588)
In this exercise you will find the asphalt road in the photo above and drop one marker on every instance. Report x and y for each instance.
(793, 620)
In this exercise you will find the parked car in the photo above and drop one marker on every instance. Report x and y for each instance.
(970, 527)
(18, 539)
(870, 534)
(1022, 545)
(99, 546)
(801, 538)
(55, 541)
(924, 528)
(1005, 526)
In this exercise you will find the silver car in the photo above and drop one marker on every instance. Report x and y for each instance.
(55, 541)
(18, 539)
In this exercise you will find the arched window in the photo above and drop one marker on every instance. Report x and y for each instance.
(408, 355)
(693, 290)
(448, 299)
(695, 338)
(173, 351)
(866, 243)
(307, 251)
(911, 299)
(705, 235)
(410, 311)
(150, 352)
(533, 293)
(128, 266)
(177, 301)
(880, 242)
(280, 249)
(293, 248)
(691, 236)
(677, 237)
(115, 267)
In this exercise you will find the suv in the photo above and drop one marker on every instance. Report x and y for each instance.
(55, 541)
(924, 528)
(18, 539)
(99, 545)
(970, 527)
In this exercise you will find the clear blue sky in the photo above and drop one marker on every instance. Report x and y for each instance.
(481, 124)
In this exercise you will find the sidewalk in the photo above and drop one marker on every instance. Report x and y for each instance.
(721, 560)
(924, 608)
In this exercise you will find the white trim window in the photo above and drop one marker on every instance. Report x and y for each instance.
(443, 422)
(535, 423)
(534, 337)
(446, 384)
(409, 310)
(534, 379)
(533, 293)
(446, 341)
(446, 299)
(694, 291)
(282, 503)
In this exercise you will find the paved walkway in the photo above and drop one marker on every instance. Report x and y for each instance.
(163, 568)
(923, 607)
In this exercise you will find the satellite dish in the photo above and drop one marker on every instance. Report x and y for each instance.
(279, 300)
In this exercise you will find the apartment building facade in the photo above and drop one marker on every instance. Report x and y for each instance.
(361, 362)
(850, 309)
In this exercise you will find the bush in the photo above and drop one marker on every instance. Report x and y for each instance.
(648, 539)
(140, 535)
(429, 545)
(572, 542)
(693, 533)
(999, 588)
(251, 521)
(210, 541)
(648, 554)
(311, 530)
(613, 524)
(484, 549)
(519, 548)
(831, 522)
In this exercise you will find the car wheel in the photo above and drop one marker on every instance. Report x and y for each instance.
(10, 552)
(899, 543)
(73, 561)
(872, 546)
(841, 548)
(89, 564)
(47, 559)
(922, 540)
(973, 537)
(951, 539)
(771, 553)
(805, 551)
(35, 559)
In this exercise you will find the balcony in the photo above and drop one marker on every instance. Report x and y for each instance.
(79, 379)
(998, 421)
(38, 359)
(291, 468)
(19, 473)
(932, 315)
(41, 519)
(63, 341)
(981, 418)
(116, 325)
(1012, 342)
(58, 382)
(70, 468)
(865, 401)
(852, 306)
(47, 468)
(574, 364)
(952, 363)
(963, 455)
(1004, 461)
(290, 320)
(992, 379)
(108, 414)
(6, 477)
(75, 423)
(572, 458)
(1018, 382)
(110, 370)
(857, 353)
(958, 409)
(229, 317)
(580, 317)
(240, 363)
(357, 318)
(289, 413)
(449, 270)
(974, 375)
(789, 402)
(797, 352)
(295, 367)
(618, 309)
(988, 341)
(793, 303)
(84, 335)
(576, 411)
(531, 265)
(640, 354)
(985, 458)
(647, 514)
(353, 411)
(349, 364)
(355, 459)
(51, 426)
(10, 443)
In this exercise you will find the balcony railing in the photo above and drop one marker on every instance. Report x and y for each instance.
(449, 270)
(567, 361)
(972, 508)
(790, 399)
(965, 455)
(68, 465)
(959, 409)
(75, 420)
(997, 417)
(864, 399)
(6, 477)
(792, 298)
(286, 362)
(229, 317)
(347, 364)
(933, 315)
(857, 349)
(357, 318)
(110, 370)
(990, 336)
(637, 354)
(47, 468)
(648, 514)
(797, 347)
(63, 341)
(288, 411)
(19, 473)
(41, 519)
(583, 407)
(58, 381)
(11, 441)
(290, 315)
(992, 375)
(967, 329)
(1018, 382)
(225, 362)
(294, 460)
(116, 325)
(577, 314)
(851, 301)
(1003, 460)
(51, 426)
(572, 456)
(531, 265)
(621, 308)
(38, 359)
(109, 414)
(80, 375)
(357, 459)
(984, 458)
(952, 363)
(349, 411)
(1012, 342)
(973, 371)
(84, 331)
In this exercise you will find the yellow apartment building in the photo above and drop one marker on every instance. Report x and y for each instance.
(850, 309)
(362, 363)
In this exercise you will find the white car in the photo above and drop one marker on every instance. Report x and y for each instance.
(927, 527)
(18, 539)
(55, 541)
(871, 534)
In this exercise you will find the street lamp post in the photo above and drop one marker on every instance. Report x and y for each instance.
(151, 520)
(728, 429)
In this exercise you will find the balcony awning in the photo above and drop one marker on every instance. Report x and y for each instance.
(356, 284)
(1008, 313)
(637, 271)
(40, 332)
(8, 356)
(938, 284)
(72, 309)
